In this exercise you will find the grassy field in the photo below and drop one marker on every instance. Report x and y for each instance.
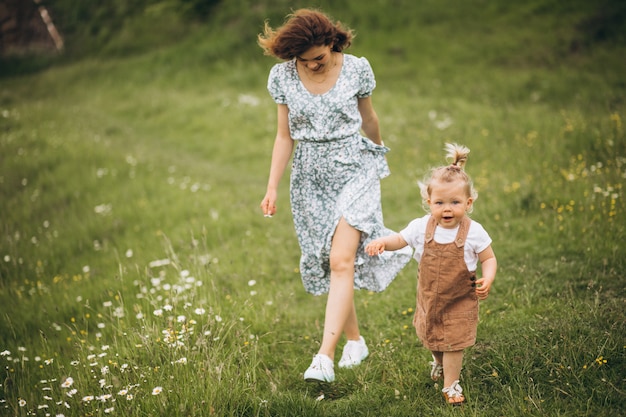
(139, 278)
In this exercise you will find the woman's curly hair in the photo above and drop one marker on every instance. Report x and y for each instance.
(302, 30)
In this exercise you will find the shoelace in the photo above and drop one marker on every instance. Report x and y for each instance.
(317, 364)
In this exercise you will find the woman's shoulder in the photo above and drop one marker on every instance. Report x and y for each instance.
(282, 69)
(355, 61)
(280, 79)
(359, 69)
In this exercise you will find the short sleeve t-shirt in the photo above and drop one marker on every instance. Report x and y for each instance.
(477, 239)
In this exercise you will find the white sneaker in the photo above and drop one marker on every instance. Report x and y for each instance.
(353, 353)
(322, 369)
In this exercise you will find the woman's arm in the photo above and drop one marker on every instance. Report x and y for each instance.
(370, 124)
(283, 148)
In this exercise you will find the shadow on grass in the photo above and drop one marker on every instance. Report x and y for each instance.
(12, 66)
(321, 391)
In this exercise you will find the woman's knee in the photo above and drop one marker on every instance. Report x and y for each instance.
(341, 263)
(344, 246)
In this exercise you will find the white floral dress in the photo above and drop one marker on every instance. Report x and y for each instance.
(335, 173)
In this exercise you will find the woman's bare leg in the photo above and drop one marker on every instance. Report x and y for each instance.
(351, 328)
(340, 311)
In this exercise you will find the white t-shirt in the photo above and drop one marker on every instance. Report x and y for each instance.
(477, 239)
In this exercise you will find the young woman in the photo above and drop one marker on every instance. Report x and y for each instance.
(324, 103)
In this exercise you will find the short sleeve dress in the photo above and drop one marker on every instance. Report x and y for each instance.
(335, 173)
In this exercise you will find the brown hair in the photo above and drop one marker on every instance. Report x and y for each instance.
(302, 30)
(449, 173)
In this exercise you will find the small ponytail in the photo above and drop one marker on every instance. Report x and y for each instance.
(457, 154)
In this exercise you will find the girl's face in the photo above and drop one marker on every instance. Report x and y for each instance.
(317, 58)
(448, 203)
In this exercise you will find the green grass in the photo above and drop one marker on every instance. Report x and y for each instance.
(130, 184)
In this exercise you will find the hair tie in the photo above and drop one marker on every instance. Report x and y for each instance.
(454, 167)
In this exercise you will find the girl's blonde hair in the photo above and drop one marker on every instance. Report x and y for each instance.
(449, 174)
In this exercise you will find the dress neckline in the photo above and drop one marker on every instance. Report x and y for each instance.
(331, 88)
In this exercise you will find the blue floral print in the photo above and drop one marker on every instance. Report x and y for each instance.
(335, 173)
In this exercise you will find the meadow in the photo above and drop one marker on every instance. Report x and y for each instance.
(138, 276)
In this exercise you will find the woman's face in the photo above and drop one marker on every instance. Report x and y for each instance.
(317, 58)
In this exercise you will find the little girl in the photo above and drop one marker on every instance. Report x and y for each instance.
(448, 246)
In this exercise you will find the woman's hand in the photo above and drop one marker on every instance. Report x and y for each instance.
(268, 205)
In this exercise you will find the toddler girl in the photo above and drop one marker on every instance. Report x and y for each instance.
(448, 246)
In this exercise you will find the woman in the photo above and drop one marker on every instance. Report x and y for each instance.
(324, 101)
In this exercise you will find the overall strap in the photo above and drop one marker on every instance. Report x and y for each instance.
(430, 230)
(461, 235)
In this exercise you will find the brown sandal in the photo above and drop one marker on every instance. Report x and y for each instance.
(454, 394)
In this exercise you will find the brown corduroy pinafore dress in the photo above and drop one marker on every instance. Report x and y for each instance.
(446, 316)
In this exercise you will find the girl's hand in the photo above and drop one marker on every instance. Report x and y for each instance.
(483, 286)
(375, 247)
(489, 266)
(268, 205)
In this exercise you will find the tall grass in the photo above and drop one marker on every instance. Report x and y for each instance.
(138, 278)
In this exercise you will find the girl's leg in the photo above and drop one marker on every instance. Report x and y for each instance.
(340, 310)
(436, 366)
(438, 357)
(452, 391)
(452, 363)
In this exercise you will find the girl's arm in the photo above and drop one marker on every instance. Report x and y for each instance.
(283, 147)
(370, 124)
(489, 265)
(390, 243)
